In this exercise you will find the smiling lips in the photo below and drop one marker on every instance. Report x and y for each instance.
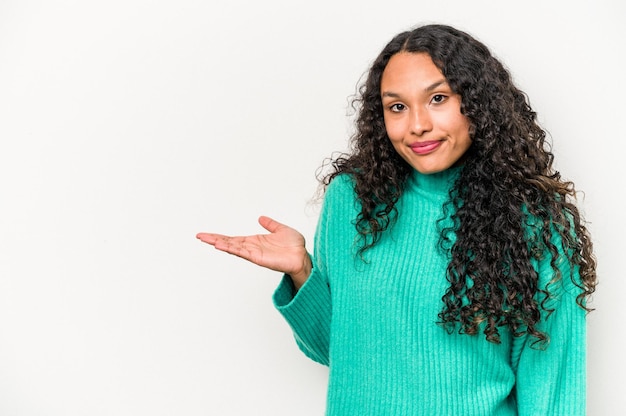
(423, 148)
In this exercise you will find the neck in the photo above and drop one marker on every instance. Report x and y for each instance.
(436, 182)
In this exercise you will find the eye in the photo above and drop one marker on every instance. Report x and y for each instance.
(396, 108)
(438, 98)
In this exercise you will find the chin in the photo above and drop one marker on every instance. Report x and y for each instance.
(429, 170)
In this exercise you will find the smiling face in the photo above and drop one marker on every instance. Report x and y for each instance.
(422, 115)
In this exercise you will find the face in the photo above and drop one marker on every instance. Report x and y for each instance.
(422, 115)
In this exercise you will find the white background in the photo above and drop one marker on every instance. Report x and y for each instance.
(128, 126)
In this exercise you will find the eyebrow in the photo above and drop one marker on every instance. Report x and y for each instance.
(436, 85)
(430, 88)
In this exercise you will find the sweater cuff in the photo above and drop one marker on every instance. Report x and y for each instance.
(287, 297)
(285, 292)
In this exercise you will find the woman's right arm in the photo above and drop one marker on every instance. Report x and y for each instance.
(304, 295)
(309, 310)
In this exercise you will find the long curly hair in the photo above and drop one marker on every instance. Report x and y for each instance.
(506, 185)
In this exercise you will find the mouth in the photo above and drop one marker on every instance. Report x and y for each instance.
(423, 148)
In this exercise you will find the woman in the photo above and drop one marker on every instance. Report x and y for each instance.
(451, 267)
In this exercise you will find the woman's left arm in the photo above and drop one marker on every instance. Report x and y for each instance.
(552, 381)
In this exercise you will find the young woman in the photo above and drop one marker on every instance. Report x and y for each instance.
(451, 267)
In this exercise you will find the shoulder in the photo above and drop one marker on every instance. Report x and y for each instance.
(341, 187)
(340, 197)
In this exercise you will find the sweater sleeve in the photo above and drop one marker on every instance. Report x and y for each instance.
(552, 380)
(308, 312)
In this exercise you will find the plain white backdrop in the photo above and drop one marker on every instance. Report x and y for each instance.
(128, 126)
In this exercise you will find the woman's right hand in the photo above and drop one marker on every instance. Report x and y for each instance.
(282, 250)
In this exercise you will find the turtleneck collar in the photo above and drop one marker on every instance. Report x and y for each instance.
(439, 182)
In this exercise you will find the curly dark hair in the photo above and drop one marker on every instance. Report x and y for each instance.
(507, 183)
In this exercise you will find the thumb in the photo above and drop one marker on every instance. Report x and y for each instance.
(269, 224)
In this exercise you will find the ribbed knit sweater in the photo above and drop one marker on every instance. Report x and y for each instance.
(374, 323)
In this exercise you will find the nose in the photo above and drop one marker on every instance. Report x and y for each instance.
(421, 121)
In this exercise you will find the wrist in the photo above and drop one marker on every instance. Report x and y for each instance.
(300, 277)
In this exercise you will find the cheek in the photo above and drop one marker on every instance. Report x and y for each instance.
(462, 129)
(394, 129)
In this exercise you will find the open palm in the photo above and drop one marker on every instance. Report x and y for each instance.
(282, 250)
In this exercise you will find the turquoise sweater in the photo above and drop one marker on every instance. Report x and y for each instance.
(374, 325)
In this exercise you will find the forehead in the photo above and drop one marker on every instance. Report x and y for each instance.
(410, 69)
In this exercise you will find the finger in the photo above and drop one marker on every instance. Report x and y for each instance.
(237, 246)
(270, 224)
(210, 238)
